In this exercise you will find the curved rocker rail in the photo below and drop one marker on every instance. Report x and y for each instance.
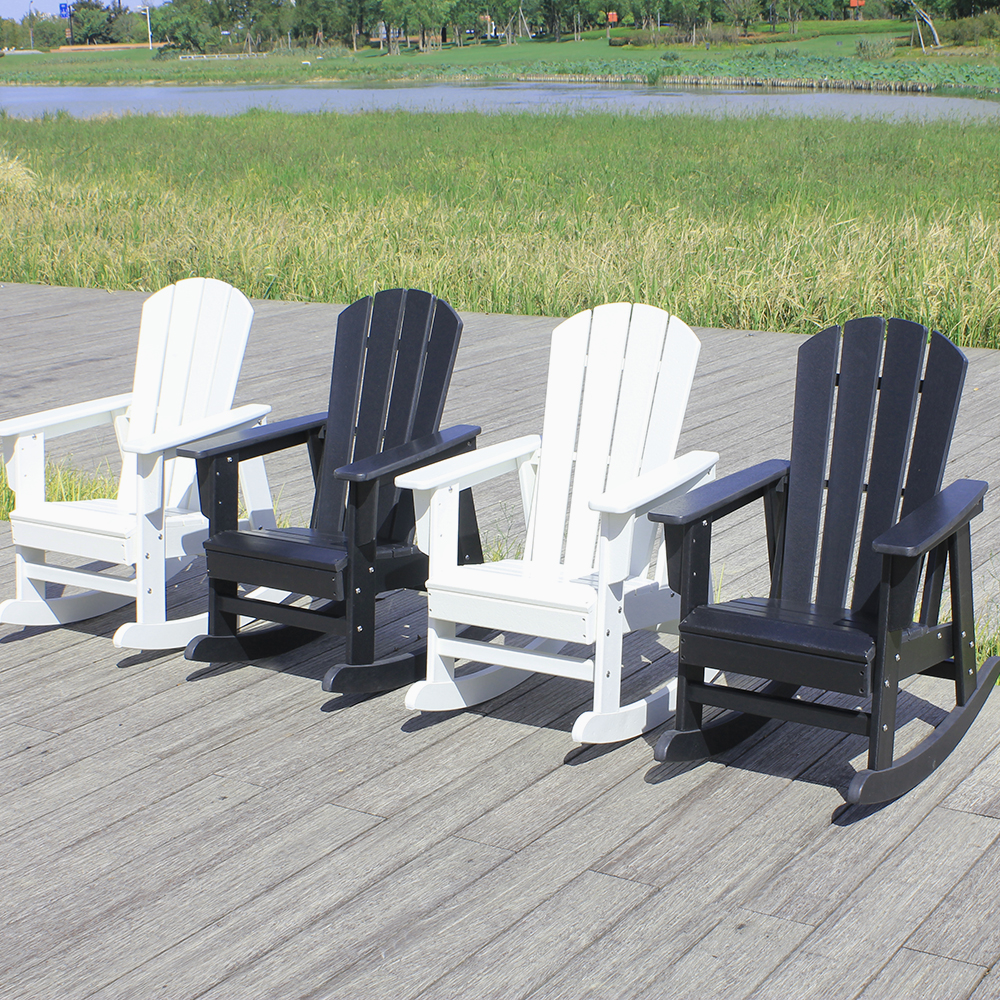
(869, 786)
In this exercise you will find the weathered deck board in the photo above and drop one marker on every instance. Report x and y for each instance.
(175, 829)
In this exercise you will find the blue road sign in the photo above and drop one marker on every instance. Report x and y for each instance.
(64, 10)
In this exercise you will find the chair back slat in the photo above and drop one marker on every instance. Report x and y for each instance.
(442, 349)
(902, 366)
(393, 360)
(939, 399)
(330, 501)
(428, 343)
(563, 393)
(602, 400)
(619, 381)
(860, 363)
(879, 386)
(380, 355)
(815, 378)
(192, 339)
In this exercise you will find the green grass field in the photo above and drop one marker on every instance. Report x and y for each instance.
(819, 50)
(760, 223)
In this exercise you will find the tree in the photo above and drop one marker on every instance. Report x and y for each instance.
(688, 14)
(91, 23)
(743, 13)
(185, 23)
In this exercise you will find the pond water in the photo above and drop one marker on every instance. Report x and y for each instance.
(574, 98)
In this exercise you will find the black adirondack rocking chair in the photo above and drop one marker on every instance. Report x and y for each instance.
(804, 634)
(393, 361)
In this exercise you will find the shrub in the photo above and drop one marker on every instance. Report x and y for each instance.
(878, 48)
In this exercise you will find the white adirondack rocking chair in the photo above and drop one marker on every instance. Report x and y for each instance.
(618, 385)
(191, 343)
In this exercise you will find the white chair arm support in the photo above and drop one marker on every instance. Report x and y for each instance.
(645, 492)
(472, 468)
(153, 444)
(66, 419)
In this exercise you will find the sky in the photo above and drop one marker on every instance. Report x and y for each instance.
(18, 8)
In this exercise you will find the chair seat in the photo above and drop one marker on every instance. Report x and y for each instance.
(522, 582)
(790, 625)
(534, 599)
(95, 517)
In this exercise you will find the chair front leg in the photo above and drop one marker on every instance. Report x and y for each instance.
(150, 568)
(690, 550)
(360, 593)
(963, 625)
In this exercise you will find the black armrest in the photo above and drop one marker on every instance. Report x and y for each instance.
(255, 441)
(721, 497)
(407, 456)
(934, 521)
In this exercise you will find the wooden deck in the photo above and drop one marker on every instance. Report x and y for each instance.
(233, 832)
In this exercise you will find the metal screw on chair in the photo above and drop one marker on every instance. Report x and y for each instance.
(360, 629)
(885, 728)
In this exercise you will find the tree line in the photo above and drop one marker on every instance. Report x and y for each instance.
(211, 25)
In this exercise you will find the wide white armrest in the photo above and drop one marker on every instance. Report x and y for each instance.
(472, 468)
(153, 444)
(646, 490)
(66, 419)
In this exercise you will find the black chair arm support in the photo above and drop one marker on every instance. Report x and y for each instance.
(255, 441)
(687, 525)
(723, 496)
(218, 459)
(407, 456)
(933, 522)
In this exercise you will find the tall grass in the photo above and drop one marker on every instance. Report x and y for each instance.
(747, 223)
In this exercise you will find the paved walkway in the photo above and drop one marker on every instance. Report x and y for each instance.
(184, 832)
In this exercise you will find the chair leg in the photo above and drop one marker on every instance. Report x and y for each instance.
(725, 733)
(610, 721)
(152, 629)
(443, 692)
(30, 606)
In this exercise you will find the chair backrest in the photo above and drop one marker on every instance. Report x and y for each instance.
(191, 342)
(392, 366)
(889, 377)
(618, 386)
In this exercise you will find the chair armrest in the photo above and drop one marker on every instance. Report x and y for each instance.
(642, 492)
(405, 456)
(153, 444)
(66, 419)
(464, 471)
(716, 499)
(255, 441)
(933, 521)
